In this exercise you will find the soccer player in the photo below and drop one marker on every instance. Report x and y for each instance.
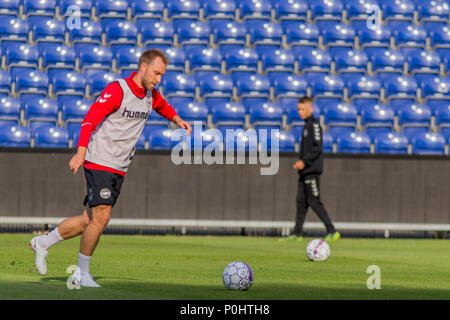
(106, 146)
(310, 166)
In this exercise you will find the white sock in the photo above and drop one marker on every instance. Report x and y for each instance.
(49, 239)
(83, 262)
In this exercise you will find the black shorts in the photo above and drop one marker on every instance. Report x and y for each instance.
(103, 187)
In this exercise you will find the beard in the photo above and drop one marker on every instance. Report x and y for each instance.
(147, 85)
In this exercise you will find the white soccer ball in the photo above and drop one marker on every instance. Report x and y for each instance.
(237, 276)
(317, 250)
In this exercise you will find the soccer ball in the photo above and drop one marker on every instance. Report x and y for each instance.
(237, 276)
(317, 250)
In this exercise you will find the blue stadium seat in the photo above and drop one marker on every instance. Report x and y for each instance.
(300, 35)
(428, 143)
(414, 118)
(252, 89)
(288, 10)
(194, 111)
(358, 10)
(285, 141)
(433, 11)
(12, 30)
(266, 116)
(399, 87)
(70, 84)
(10, 7)
(179, 87)
(20, 56)
(158, 34)
(242, 141)
(9, 111)
(410, 36)
(161, 139)
(73, 112)
(177, 58)
(327, 139)
(39, 8)
(204, 61)
(47, 137)
(31, 83)
(351, 61)
(140, 144)
(440, 38)
(219, 9)
(388, 61)
(328, 10)
(377, 118)
(340, 118)
(313, 61)
(287, 90)
(337, 35)
(229, 115)
(442, 114)
(391, 143)
(90, 32)
(128, 58)
(82, 6)
(193, 34)
(255, 9)
(398, 10)
(109, 11)
(353, 142)
(48, 31)
(239, 61)
(183, 9)
(378, 38)
(264, 34)
(228, 34)
(121, 34)
(15, 136)
(277, 62)
(94, 59)
(41, 112)
(327, 88)
(362, 89)
(99, 80)
(215, 88)
(147, 10)
(58, 57)
(5, 83)
(424, 62)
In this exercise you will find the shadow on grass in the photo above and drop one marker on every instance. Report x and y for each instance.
(54, 288)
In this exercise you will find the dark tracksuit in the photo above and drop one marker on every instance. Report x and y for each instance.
(308, 183)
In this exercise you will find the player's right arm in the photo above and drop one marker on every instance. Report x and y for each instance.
(108, 102)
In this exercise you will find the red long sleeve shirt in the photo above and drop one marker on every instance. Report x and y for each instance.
(101, 108)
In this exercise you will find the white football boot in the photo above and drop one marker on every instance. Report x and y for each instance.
(40, 256)
(88, 281)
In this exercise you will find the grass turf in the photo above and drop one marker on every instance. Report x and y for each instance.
(190, 267)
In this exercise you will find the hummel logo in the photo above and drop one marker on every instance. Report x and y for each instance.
(101, 100)
(106, 96)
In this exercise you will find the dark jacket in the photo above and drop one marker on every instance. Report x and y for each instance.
(311, 148)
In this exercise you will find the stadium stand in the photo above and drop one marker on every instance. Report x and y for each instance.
(233, 56)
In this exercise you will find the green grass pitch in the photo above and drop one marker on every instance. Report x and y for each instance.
(190, 267)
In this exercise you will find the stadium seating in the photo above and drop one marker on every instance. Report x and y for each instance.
(20, 56)
(284, 140)
(215, 88)
(228, 34)
(414, 118)
(287, 90)
(252, 89)
(410, 36)
(58, 57)
(157, 34)
(424, 63)
(266, 116)
(84, 7)
(328, 10)
(239, 61)
(10, 7)
(128, 58)
(300, 35)
(9, 111)
(177, 58)
(193, 112)
(391, 143)
(121, 34)
(377, 118)
(435, 88)
(98, 81)
(90, 32)
(264, 34)
(327, 88)
(147, 10)
(255, 9)
(313, 61)
(377, 37)
(193, 34)
(187, 10)
(277, 62)
(31, 83)
(12, 30)
(340, 118)
(41, 112)
(353, 142)
(94, 59)
(338, 35)
(48, 31)
(387, 61)
(399, 88)
(69, 84)
(288, 10)
(433, 11)
(73, 112)
(327, 139)
(219, 10)
(15, 136)
(357, 10)
(180, 88)
(241, 141)
(110, 11)
(351, 61)
(161, 139)
(362, 89)
(442, 114)
(51, 137)
(428, 143)
(5, 83)
(228, 116)
(204, 61)
(398, 10)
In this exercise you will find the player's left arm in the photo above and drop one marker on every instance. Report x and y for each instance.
(161, 106)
